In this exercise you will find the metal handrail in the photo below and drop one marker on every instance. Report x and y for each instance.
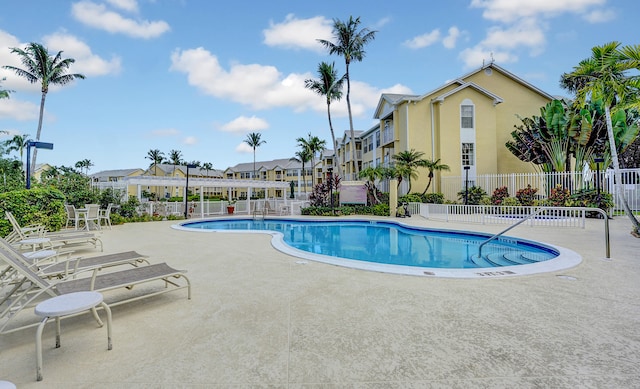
(584, 209)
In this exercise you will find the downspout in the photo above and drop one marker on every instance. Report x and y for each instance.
(406, 126)
(433, 136)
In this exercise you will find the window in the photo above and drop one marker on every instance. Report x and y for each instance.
(377, 138)
(466, 116)
(468, 156)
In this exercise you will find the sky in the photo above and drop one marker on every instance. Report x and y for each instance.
(197, 76)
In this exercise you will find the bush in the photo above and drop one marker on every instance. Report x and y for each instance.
(433, 198)
(43, 206)
(527, 195)
(410, 198)
(590, 198)
(474, 196)
(510, 202)
(558, 196)
(499, 194)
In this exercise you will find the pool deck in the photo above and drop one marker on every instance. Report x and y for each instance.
(260, 318)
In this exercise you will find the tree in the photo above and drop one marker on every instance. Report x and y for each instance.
(372, 174)
(84, 164)
(605, 76)
(349, 44)
(303, 156)
(156, 156)
(254, 141)
(175, 157)
(434, 166)
(314, 145)
(4, 93)
(17, 143)
(40, 67)
(407, 164)
(330, 86)
(207, 166)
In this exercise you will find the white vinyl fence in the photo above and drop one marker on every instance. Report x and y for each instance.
(199, 209)
(544, 182)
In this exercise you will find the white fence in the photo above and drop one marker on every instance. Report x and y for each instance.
(199, 209)
(544, 182)
(507, 215)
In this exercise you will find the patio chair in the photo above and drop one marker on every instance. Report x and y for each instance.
(92, 216)
(24, 287)
(61, 240)
(72, 216)
(105, 214)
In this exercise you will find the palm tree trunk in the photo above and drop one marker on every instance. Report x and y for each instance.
(616, 170)
(356, 170)
(35, 150)
(336, 168)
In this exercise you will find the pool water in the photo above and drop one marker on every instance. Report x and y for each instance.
(392, 243)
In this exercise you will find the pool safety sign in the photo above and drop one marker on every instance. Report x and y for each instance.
(353, 192)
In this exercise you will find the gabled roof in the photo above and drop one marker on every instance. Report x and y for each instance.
(283, 163)
(395, 99)
(496, 99)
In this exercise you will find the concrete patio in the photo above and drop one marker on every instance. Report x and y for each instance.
(262, 319)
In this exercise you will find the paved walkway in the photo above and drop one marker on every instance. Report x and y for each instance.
(258, 318)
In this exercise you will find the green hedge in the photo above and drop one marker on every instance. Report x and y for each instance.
(33, 206)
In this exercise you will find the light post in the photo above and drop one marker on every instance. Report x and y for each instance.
(37, 145)
(466, 184)
(186, 192)
(598, 161)
(330, 178)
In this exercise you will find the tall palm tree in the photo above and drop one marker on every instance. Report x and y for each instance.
(314, 145)
(207, 166)
(254, 140)
(156, 156)
(407, 164)
(328, 85)
(303, 156)
(40, 67)
(349, 43)
(372, 174)
(175, 157)
(434, 166)
(605, 76)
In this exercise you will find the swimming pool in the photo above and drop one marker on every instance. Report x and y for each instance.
(398, 248)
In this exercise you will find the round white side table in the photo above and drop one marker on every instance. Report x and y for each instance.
(65, 305)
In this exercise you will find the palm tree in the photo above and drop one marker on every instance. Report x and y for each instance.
(84, 164)
(303, 156)
(604, 76)
(156, 156)
(4, 93)
(407, 164)
(330, 86)
(372, 174)
(349, 43)
(207, 166)
(434, 166)
(175, 157)
(17, 143)
(39, 66)
(314, 145)
(254, 141)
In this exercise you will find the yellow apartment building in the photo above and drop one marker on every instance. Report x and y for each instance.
(279, 170)
(464, 123)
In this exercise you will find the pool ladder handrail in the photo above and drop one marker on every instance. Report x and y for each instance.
(262, 213)
(537, 212)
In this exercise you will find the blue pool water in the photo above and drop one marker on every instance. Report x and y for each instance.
(392, 243)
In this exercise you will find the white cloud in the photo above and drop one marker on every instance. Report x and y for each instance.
(599, 16)
(98, 16)
(244, 148)
(423, 40)
(298, 33)
(508, 11)
(127, 5)
(450, 40)
(86, 63)
(18, 110)
(190, 140)
(264, 87)
(245, 124)
(527, 33)
(165, 132)
(474, 57)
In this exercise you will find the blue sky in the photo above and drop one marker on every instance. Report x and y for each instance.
(198, 75)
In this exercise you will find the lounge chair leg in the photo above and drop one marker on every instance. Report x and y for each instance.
(95, 316)
(109, 320)
(57, 331)
(39, 349)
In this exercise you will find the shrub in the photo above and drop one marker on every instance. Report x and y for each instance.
(590, 198)
(433, 198)
(499, 194)
(474, 195)
(526, 196)
(558, 196)
(34, 206)
(410, 198)
(510, 202)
